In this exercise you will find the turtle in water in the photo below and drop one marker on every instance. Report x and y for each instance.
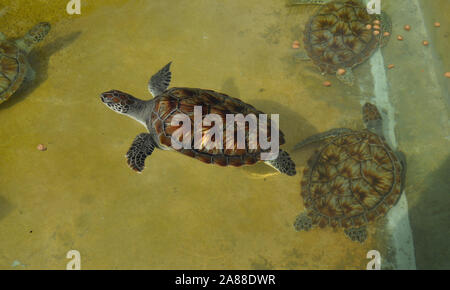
(342, 35)
(14, 66)
(353, 179)
(158, 116)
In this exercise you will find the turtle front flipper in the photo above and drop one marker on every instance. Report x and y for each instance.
(402, 158)
(283, 163)
(322, 136)
(160, 81)
(357, 234)
(141, 147)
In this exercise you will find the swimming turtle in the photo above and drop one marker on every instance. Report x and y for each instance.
(353, 179)
(159, 115)
(14, 66)
(342, 35)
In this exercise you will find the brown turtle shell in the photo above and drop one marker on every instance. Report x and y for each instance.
(12, 69)
(183, 100)
(336, 36)
(352, 180)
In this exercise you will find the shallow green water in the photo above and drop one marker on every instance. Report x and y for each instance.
(180, 213)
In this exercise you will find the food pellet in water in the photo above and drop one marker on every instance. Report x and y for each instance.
(41, 147)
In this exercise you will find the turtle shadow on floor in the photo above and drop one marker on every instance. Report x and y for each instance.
(429, 216)
(5, 208)
(295, 129)
(39, 59)
(292, 124)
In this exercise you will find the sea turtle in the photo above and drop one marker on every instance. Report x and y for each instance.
(158, 116)
(14, 66)
(341, 35)
(353, 179)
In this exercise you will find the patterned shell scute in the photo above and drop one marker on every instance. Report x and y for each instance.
(12, 69)
(352, 180)
(336, 37)
(182, 101)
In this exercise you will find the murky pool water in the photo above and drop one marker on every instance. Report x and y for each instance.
(184, 214)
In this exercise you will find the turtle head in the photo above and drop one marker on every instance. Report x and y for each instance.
(128, 105)
(38, 32)
(372, 118)
(118, 101)
(34, 36)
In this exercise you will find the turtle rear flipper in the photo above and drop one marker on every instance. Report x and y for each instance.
(357, 234)
(142, 146)
(303, 222)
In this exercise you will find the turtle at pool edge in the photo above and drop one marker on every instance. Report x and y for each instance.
(342, 35)
(352, 180)
(14, 66)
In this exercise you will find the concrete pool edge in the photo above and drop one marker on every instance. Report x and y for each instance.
(398, 224)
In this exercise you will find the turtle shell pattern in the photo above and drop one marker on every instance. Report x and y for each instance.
(183, 100)
(12, 69)
(352, 180)
(337, 37)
